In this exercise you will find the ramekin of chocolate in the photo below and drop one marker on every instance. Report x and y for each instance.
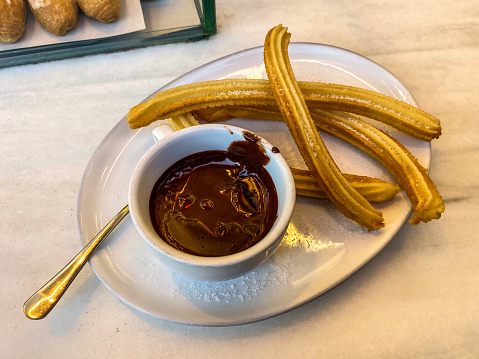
(213, 201)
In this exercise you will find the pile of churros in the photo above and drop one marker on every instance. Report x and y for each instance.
(56, 16)
(308, 107)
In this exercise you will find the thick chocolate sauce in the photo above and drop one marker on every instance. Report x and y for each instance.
(216, 203)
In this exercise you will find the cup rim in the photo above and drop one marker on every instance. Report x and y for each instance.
(277, 230)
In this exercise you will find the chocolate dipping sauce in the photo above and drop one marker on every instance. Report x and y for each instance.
(216, 203)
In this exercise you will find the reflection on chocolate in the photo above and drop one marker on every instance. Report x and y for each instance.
(216, 203)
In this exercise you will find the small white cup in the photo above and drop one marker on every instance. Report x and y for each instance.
(177, 145)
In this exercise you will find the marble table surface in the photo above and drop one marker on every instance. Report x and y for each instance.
(419, 297)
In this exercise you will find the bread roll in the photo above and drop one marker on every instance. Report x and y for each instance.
(13, 16)
(103, 10)
(57, 16)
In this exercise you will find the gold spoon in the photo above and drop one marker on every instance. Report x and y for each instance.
(43, 301)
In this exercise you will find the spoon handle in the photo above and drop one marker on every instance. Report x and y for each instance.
(43, 301)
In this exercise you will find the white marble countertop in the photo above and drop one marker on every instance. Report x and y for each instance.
(419, 297)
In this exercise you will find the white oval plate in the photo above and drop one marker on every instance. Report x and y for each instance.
(321, 248)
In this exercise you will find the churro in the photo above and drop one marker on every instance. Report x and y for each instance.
(255, 92)
(301, 126)
(372, 189)
(411, 176)
(200, 95)
(425, 199)
(183, 121)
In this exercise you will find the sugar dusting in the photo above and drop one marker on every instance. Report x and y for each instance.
(266, 279)
(246, 288)
(295, 258)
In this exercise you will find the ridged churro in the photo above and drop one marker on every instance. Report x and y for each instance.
(255, 92)
(372, 189)
(200, 95)
(301, 126)
(412, 177)
(183, 121)
(426, 201)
